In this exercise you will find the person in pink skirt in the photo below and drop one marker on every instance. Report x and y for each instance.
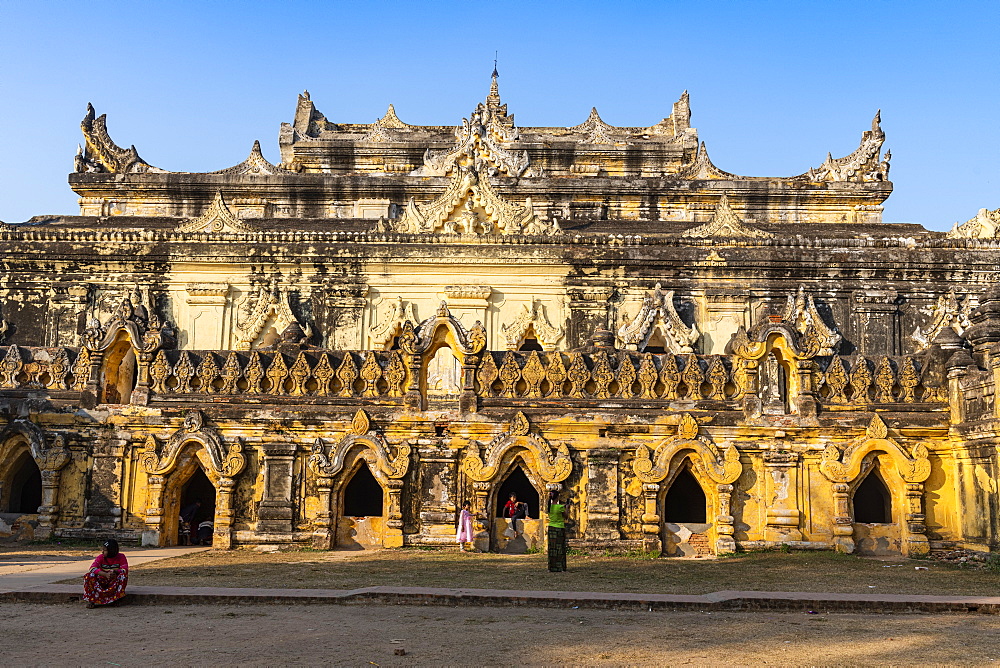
(465, 532)
(107, 578)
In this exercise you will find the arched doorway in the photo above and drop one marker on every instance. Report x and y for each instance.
(875, 531)
(118, 373)
(361, 523)
(685, 516)
(528, 534)
(24, 485)
(198, 503)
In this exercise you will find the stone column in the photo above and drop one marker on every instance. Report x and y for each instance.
(843, 527)
(468, 402)
(274, 514)
(917, 544)
(223, 533)
(651, 529)
(481, 509)
(804, 403)
(603, 511)
(324, 535)
(393, 534)
(153, 536)
(48, 512)
(414, 398)
(781, 476)
(724, 542)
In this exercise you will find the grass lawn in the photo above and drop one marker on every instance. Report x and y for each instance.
(758, 571)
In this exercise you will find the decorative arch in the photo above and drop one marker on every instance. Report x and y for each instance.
(708, 464)
(545, 465)
(533, 319)
(334, 466)
(269, 304)
(23, 435)
(905, 479)
(167, 467)
(420, 343)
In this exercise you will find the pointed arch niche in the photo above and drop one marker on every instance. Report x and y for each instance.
(489, 467)
(884, 480)
(169, 469)
(31, 472)
(345, 474)
(681, 471)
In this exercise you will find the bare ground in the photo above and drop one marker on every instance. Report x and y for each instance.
(370, 635)
(758, 571)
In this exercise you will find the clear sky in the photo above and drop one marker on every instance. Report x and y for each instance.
(774, 85)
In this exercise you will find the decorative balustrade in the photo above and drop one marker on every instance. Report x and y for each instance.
(502, 375)
(601, 375)
(881, 380)
(321, 373)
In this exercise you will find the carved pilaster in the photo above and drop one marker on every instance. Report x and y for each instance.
(917, 543)
(724, 542)
(323, 537)
(275, 510)
(589, 311)
(843, 527)
(652, 541)
(781, 475)
(603, 509)
(223, 534)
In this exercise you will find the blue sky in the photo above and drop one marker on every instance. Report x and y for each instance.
(774, 85)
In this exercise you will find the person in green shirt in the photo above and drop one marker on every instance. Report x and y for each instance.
(557, 534)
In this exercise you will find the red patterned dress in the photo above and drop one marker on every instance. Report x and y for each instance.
(104, 583)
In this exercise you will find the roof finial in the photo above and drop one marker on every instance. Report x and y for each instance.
(494, 96)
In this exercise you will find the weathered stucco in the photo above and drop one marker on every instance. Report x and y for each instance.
(600, 307)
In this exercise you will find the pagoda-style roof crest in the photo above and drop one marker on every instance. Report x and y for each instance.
(255, 165)
(218, 219)
(101, 154)
(725, 223)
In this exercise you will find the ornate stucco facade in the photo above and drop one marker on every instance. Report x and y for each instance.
(702, 360)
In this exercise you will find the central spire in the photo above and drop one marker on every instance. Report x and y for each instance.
(493, 99)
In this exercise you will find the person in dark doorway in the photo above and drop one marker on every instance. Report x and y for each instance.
(206, 530)
(186, 528)
(557, 534)
(514, 510)
(107, 578)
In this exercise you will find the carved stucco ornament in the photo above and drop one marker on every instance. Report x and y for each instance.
(984, 225)
(863, 165)
(485, 137)
(913, 466)
(414, 340)
(224, 462)
(725, 223)
(48, 457)
(800, 312)
(471, 205)
(144, 328)
(552, 463)
(392, 322)
(653, 467)
(535, 319)
(218, 218)
(101, 154)
(255, 165)
(658, 314)
(950, 310)
(387, 461)
(269, 304)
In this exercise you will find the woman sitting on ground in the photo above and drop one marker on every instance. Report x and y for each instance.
(106, 580)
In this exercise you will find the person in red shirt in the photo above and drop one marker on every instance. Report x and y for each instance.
(107, 578)
(514, 510)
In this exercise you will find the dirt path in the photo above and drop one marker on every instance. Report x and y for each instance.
(369, 635)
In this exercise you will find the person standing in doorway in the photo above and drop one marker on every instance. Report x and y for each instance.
(557, 534)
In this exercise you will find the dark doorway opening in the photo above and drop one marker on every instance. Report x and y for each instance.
(199, 488)
(531, 344)
(685, 502)
(363, 495)
(872, 501)
(518, 483)
(25, 486)
(656, 350)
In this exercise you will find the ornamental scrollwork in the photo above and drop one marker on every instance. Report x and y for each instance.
(654, 466)
(552, 463)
